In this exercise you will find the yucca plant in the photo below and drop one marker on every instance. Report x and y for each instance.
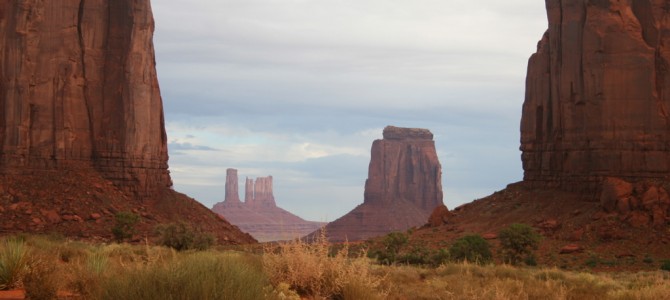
(13, 262)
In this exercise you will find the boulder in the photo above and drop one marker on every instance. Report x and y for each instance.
(439, 216)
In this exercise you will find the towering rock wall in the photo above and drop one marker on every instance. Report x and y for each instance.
(248, 190)
(232, 188)
(78, 87)
(598, 95)
(404, 186)
(263, 192)
(404, 167)
(81, 122)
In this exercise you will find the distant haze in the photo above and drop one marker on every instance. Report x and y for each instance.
(299, 89)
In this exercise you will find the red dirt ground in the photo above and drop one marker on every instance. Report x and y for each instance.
(82, 205)
(563, 218)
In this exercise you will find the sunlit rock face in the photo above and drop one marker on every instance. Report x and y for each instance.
(78, 88)
(598, 95)
(403, 188)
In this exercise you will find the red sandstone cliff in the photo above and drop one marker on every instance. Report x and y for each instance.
(597, 96)
(597, 103)
(79, 92)
(259, 214)
(404, 186)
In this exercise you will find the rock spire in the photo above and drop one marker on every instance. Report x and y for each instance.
(404, 186)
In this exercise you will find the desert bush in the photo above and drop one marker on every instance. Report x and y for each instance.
(180, 236)
(391, 246)
(200, 275)
(13, 262)
(472, 248)
(125, 225)
(309, 269)
(41, 281)
(665, 265)
(517, 242)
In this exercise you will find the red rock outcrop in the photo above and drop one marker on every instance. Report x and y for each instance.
(79, 95)
(259, 215)
(263, 193)
(598, 95)
(232, 187)
(403, 188)
(79, 86)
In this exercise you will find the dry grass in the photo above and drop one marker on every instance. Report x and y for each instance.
(298, 269)
(469, 281)
(311, 270)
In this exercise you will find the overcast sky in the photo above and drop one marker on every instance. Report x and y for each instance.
(299, 89)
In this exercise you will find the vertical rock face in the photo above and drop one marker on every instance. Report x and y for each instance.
(598, 95)
(259, 215)
(232, 192)
(81, 121)
(403, 188)
(78, 86)
(404, 167)
(263, 193)
(248, 190)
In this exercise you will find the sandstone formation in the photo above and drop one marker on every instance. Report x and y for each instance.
(403, 188)
(79, 86)
(232, 192)
(259, 215)
(79, 92)
(598, 95)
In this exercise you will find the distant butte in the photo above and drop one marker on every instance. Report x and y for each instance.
(259, 214)
(404, 186)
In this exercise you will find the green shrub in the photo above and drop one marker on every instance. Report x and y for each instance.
(472, 248)
(665, 265)
(392, 244)
(13, 262)
(439, 257)
(201, 275)
(517, 242)
(125, 225)
(180, 237)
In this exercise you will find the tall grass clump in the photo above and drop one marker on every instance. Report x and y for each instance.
(311, 271)
(198, 275)
(13, 262)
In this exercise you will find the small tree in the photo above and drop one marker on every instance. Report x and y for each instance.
(125, 225)
(473, 248)
(518, 242)
(181, 237)
(393, 243)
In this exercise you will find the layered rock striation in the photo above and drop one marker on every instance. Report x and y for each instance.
(259, 214)
(82, 133)
(403, 188)
(598, 95)
(78, 87)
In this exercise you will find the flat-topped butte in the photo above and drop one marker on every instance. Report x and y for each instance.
(400, 133)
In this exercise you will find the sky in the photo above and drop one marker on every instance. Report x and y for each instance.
(299, 89)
